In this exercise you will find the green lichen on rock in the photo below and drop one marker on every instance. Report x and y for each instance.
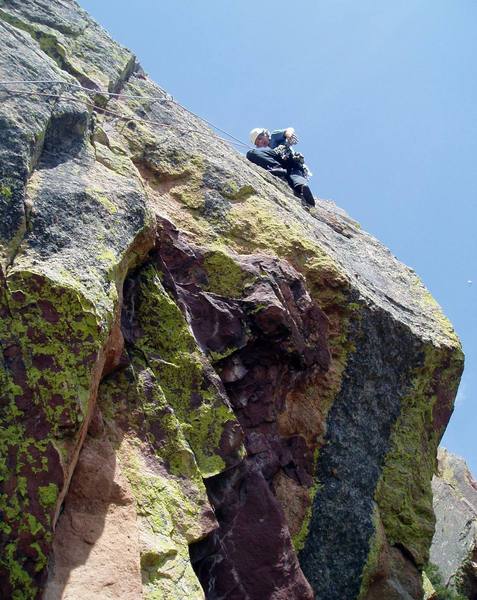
(256, 226)
(224, 275)
(73, 46)
(178, 365)
(429, 590)
(59, 348)
(171, 170)
(170, 509)
(148, 412)
(233, 191)
(192, 198)
(172, 420)
(160, 466)
(56, 315)
(46, 382)
(20, 580)
(300, 537)
(47, 41)
(375, 548)
(404, 492)
(6, 191)
(444, 330)
(30, 534)
(173, 163)
(48, 494)
(191, 193)
(12, 207)
(115, 161)
(103, 199)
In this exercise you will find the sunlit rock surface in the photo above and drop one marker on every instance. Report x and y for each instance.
(207, 392)
(454, 546)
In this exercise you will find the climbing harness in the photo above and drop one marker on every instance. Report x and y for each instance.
(286, 153)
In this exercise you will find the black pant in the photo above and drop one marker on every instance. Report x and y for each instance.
(267, 158)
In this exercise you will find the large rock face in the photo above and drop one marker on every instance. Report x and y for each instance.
(454, 546)
(206, 391)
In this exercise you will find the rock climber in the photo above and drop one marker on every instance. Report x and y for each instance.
(273, 152)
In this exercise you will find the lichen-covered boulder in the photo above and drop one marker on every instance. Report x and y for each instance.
(207, 392)
(454, 545)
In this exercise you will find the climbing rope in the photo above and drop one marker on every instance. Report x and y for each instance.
(119, 96)
(57, 95)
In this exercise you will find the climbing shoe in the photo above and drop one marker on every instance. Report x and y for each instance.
(304, 193)
(307, 196)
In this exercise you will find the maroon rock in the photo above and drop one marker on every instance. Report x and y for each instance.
(273, 341)
(250, 555)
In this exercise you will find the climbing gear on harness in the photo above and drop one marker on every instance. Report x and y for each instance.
(286, 153)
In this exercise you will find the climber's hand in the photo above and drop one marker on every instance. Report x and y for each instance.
(291, 136)
(293, 140)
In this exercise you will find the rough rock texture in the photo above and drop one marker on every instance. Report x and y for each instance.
(99, 517)
(454, 546)
(207, 392)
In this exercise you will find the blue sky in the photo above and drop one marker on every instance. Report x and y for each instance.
(383, 96)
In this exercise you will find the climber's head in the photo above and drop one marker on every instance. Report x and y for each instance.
(260, 137)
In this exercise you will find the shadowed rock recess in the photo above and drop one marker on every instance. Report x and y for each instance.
(207, 392)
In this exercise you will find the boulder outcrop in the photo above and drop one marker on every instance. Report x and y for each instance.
(207, 392)
(454, 545)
